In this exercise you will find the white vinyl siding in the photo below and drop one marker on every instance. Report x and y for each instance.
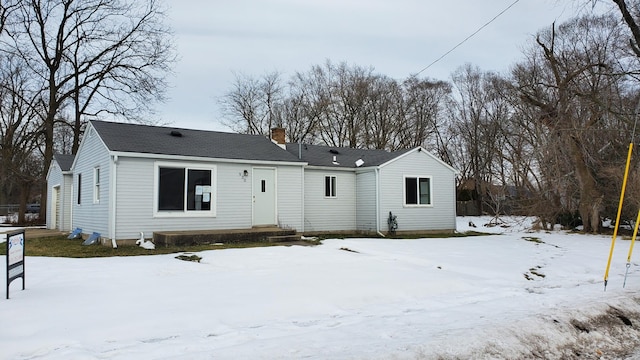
(439, 215)
(54, 180)
(137, 191)
(135, 198)
(66, 201)
(87, 215)
(324, 213)
(366, 201)
(289, 201)
(63, 183)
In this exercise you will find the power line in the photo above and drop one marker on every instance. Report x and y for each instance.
(469, 37)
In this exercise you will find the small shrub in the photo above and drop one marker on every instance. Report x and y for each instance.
(569, 220)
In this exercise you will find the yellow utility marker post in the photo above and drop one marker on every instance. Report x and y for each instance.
(633, 241)
(615, 229)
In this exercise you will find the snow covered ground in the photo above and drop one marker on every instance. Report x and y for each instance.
(516, 295)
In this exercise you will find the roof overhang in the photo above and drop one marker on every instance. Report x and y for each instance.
(202, 159)
(330, 168)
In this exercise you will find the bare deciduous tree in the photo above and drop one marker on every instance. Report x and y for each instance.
(252, 106)
(92, 56)
(340, 105)
(570, 82)
(477, 117)
(20, 157)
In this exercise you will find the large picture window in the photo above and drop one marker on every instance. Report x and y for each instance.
(182, 190)
(417, 190)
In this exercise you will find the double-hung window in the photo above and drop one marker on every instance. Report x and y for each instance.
(417, 190)
(96, 185)
(330, 186)
(185, 190)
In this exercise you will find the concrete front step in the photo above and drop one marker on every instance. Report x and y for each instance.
(199, 237)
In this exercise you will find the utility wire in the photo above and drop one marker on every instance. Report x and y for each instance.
(469, 37)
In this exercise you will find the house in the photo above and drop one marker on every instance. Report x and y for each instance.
(131, 178)
(349, 189)
(60, 185)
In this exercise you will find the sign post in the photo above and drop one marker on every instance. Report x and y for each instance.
(15, 257)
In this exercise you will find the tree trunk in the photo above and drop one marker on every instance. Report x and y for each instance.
(590, 196)
(48, 143)
(24, 196)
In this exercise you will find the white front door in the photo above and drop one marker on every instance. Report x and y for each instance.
(264, 196)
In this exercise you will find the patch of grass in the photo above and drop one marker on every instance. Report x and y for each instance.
(533, 239)
(194, 258)
(535, 272)
(73, 248)
(404, 236)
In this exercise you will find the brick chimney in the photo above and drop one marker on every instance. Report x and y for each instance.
(277, 136)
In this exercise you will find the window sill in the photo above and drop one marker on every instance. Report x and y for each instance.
(184, 214)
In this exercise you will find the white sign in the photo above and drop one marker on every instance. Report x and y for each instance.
(16, 249)
(15, 258)
(16, 271)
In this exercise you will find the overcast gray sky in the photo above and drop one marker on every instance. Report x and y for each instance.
(214, 38)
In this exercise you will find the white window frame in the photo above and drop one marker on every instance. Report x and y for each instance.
(96, 185)
(185, 213)
(404, 190)
(333, 185)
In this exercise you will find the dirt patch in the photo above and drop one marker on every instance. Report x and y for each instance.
(612, 333)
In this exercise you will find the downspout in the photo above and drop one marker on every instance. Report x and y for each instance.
(302, 186)
(72, 203)
(378, 202)
(112, 200)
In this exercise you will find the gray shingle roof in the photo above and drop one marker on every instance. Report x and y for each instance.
(319, 155)
(136, 138)
(64, 161)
